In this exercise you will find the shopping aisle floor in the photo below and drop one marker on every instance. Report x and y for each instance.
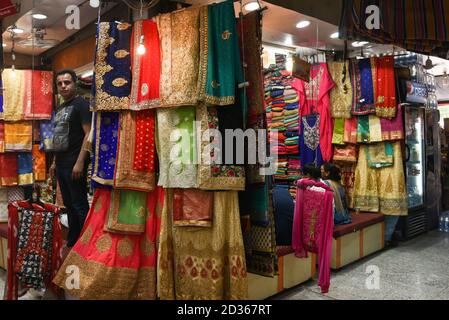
(418, 269)
(415, 270)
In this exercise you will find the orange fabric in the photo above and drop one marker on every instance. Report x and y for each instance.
(39, 164)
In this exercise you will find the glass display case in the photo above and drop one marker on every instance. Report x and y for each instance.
(415, 166)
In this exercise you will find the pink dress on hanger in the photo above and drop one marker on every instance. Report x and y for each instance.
(314, 97)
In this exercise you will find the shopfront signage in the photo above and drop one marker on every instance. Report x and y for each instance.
(416, 92)
(373, 20)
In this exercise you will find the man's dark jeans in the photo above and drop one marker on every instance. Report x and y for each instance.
(74, 195)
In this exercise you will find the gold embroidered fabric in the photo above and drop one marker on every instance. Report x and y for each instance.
(14, 88)
(341, 95)
(179, 35)
(375, 129)
(203, 263)
(171, 173)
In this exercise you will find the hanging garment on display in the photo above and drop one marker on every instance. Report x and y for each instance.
(8, 170)
(220, 66)
(192, 208)
(380, 155)
(381, 190)
(112, 67)
(105, 143)
(180, 47)
(251, 47)
(253, 173)
(3, 205)
(309, 141)
(25, 169)
(385, 87)
(39, 105)
(18, 136)
(146, 67)
(346, 153)
(313, 226)
(2, 116)
(2, 136)
(339, 131)
(362, 83)
(256, 204)
(177, 148)
(114, 266)
(393, 129)
(348, 182)
(135, 168)
(203, 263)
(47, 132)
(128, 212)
(363, 129)
(34, 247)
(314, 98)
(350, 134)
(14, 90)
(211, 174)
(375, 130)
(341, 95)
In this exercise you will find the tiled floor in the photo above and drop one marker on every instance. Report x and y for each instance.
(418, 269)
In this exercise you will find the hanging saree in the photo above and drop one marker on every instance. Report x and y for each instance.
(25, 169)
(212, 174)
(220, 67)
(146, 68)
(8, 169)
(136, 160)
(113, 67)
(251, 47)
(114, 266)
(105, 148)
(40, 106)
(347, 153)
(2, 136)
(363, 129)
(381, 190)
(385, 88)
(34, 247)
(313, 226)
(127, 212)
(177, 148)
(47, 131)
(362, 82)
(393, 129)
(180, 47)
(18, 136)
(375, 130)
(380, 155)
(341, 94)
(348, 181)
(192, 208)
(39, 164)
(14, 91)
(350, 134)
(339, 130)
(309, 141)
(3, 205)
(203, 263)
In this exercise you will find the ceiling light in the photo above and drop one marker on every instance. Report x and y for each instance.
(303, 24)
(358, 44)
(4, 45)
(94, 3)
(17, 30)
(39, 16)
(288, 41)
(252, 6)
(335, 35)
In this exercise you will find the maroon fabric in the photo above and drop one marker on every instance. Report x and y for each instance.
(282, 251)
(359, 222)
(4, 230)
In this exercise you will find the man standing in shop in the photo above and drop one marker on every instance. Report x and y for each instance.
(72, 127)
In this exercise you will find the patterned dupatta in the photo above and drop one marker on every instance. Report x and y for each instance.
(115, 266)
(192, 208)
(25, 169)
(393, 129)
(339, 129)
(113, 67)
(136, 163)
(341, 94)
(313, 226)
(146, 68)
(8, 169)
(220, 62)
(105, 143)
(212, 175)
(180, 47)
(350, 134)
(18, 136)
(385, 87)
(362, 82)
(40, 106)
(380, 155)
(14, 94)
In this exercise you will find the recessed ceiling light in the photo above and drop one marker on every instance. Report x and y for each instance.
(17, 30)
(335, 35)
(4, 44)
(288, 41)
(39, 16)
(303, 24)
(252, 6)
